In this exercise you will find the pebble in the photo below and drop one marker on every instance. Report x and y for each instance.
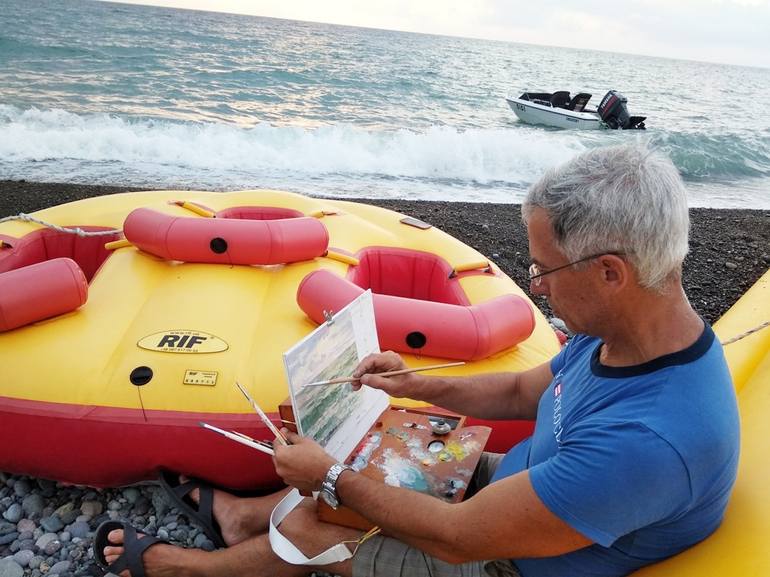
(23, 557)
(13, 513)
(10, 568)
(25, 526)
(47, 529)
(33, 505)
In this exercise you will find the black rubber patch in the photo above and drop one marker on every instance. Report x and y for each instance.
(141, 376)
(416, 340)
(218, 245)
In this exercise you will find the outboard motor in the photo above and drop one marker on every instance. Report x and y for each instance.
(612, 110)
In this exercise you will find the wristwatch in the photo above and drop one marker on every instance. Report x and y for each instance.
(329, 485)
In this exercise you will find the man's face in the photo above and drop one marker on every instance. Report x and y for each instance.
(570, 291)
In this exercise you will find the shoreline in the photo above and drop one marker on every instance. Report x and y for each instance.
(729, 248)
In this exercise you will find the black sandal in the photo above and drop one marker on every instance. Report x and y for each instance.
(202, 512)
(133, 548)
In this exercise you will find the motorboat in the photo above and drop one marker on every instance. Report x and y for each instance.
(560, 110)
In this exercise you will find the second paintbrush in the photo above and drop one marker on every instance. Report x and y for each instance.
(340, 380)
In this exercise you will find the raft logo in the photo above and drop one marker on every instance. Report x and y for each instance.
(183, 341)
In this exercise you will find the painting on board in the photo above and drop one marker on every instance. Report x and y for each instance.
(335, 416)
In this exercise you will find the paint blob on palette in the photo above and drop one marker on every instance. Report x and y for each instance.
(409, 456)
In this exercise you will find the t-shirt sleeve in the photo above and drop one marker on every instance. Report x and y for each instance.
(608, 480)
(558, 362)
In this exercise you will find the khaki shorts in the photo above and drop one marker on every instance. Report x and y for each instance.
(386, 557)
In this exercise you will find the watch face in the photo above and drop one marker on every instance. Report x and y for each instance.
(329, 499)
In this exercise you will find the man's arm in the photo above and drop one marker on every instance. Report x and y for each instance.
(486, 396)
(504, 520)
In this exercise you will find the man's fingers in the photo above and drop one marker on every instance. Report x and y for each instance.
(292, 437)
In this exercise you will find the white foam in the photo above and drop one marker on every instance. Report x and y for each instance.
(210, 154)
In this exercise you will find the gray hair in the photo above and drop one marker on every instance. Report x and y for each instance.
(627, 199)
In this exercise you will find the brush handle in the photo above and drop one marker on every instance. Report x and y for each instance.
(385, 374)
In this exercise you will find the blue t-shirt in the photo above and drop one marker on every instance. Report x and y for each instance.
(640, 460)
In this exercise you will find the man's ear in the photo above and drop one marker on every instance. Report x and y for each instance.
(615, 271)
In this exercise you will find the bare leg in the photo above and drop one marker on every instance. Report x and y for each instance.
(250, 558)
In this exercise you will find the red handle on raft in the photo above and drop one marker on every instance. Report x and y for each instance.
(40, 291)
(429, 328)
(226, 240)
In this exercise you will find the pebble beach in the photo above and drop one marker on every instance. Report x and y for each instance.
(46, 528)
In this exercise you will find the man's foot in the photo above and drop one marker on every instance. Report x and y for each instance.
(119, 548)
(240, 518)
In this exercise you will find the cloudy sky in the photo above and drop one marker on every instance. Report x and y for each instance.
(727, 31)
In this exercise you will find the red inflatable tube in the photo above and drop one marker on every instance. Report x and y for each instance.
(429, 328)
(40, 291)
(226, 240)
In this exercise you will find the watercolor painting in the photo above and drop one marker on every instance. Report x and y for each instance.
(334, 350)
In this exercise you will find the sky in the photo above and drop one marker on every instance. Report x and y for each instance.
(724, 31)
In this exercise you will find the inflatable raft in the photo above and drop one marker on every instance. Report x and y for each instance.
(113, 349)
(739, 547)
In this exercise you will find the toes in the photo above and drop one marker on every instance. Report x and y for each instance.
(115, 537)
(195, 493)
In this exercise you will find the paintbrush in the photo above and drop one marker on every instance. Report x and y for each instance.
(278, 435)
(339, 380)
(240, 438)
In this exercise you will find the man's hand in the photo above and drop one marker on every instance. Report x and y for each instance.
(399, 386)
(303, 464)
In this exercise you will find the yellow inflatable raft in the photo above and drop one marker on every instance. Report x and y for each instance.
(108, 385)
(740, 546)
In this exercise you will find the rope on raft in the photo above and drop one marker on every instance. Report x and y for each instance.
(77, 230)
(747, 333)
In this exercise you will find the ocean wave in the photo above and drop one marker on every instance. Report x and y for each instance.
(438, 163)
(701, 156)
(441, 152)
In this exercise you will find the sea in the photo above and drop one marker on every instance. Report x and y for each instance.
(106, 93)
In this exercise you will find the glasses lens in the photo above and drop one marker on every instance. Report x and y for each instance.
(534, 274)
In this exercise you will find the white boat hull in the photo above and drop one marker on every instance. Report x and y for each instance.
(532, 113)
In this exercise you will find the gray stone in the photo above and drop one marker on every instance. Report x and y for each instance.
(52, 524)
(6, 527)
(207, 545)
(22, 487)
(33, 504)
(45, 540)
(52, 547)
(159, 503)
(66, 508)
(36, 561)
(142, 506)
(26, 544)
(92, 508)
(25, 525)
(199, 539)
(10, 568)
(65, 536)
(79, 529)
(131, 494)
(9, 538)
(13, 513)
(23, 557)
(60, 567)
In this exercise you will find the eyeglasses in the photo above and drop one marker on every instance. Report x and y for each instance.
(535, 273)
